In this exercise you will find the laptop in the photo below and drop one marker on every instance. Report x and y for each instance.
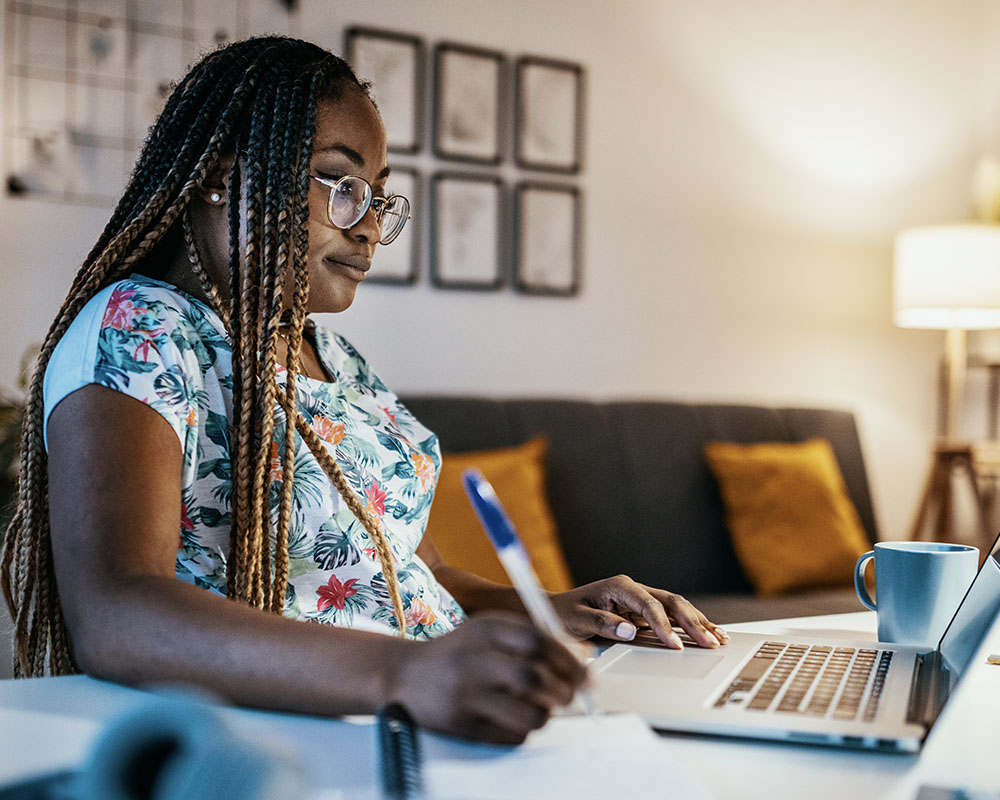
(840, 693)
(855, 694)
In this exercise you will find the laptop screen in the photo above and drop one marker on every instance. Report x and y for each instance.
(974, 616)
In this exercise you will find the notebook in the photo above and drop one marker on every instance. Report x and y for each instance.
(837, 693)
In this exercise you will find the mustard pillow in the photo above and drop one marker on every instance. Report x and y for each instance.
(518, 475)
(792, 523)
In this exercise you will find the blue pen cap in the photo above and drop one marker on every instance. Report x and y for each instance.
(487, 506)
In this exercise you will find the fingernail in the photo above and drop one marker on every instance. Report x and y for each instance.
(675, 640)
(721, 633)
(626, 631)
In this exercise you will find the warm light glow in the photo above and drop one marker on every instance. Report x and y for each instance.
(948, 276)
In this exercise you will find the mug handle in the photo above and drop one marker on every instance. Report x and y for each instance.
(859, 580)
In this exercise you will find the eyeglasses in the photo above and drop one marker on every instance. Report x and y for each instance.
(350, 199)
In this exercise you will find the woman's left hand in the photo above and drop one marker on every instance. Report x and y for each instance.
(607, 608)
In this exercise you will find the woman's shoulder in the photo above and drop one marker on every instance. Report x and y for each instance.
(139, 295)
(147, 307)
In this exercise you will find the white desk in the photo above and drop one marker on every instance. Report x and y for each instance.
(51, 723)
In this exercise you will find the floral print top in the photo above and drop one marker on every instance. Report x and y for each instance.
(151, 341)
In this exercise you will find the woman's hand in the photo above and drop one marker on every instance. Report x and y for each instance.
(611, 607)
(495, 678)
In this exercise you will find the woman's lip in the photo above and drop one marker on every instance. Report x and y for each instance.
(356, 271)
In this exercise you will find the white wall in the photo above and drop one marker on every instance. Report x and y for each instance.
(760, 156)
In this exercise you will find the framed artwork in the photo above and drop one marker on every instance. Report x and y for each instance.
(467, 87)
(398, 262)
(549, 130)
(393, 62)
(547, 220)
(465, 231)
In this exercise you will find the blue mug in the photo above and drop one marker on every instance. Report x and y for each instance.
(918, 586)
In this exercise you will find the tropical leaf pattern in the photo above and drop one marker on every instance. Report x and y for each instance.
(157, 344)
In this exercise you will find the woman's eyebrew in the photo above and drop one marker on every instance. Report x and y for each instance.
(350, 199)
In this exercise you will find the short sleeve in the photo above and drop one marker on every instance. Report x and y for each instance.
(130, 337)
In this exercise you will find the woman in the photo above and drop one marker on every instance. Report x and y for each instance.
(181, 381)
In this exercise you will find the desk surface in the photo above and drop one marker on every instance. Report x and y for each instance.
(51, 723)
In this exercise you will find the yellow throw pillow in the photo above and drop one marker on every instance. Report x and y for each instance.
(518, 475)
(792, 523)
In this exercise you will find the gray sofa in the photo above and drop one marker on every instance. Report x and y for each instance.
(631, 492)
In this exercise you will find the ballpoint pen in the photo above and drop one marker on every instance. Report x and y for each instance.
(515, 561)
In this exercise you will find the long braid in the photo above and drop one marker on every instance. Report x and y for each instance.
(226, 104)
(293, 216)
(246, 535)
(276, 202)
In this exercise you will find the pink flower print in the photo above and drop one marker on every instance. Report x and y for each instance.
(186, 523)
(143, 348)
(335, 593)
(276, 473)
(121, 311)
(388, 414)
(376, 498)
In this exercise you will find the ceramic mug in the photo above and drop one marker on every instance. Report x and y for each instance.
(918, 586)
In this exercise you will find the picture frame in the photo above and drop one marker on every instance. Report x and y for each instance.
(548, 247)
(467, 102)
(398, 263)
(466, 225)
(549, 115)
(393, 63)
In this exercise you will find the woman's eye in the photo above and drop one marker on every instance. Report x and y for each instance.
(328, 176)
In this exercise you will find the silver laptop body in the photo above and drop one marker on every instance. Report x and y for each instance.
(841, 693)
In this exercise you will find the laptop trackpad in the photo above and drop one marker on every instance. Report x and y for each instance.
(690, 663)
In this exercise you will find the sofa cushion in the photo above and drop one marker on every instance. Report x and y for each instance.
(518, 476)
(792, 524)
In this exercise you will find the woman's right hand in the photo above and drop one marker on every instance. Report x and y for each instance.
(495, 678)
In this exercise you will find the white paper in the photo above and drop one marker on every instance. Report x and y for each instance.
(612, 757)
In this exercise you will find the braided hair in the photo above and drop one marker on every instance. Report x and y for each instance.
(256, 98)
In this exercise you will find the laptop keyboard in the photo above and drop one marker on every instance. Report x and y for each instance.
(842, 683)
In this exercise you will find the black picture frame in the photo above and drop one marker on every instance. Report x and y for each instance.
(466, 231)
(548, 246)
(394, 64)
(549, 115)
(468, 89)
(398, 263)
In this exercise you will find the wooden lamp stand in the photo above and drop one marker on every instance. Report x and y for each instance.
(936, 512)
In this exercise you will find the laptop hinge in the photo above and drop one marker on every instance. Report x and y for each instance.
(928, 689)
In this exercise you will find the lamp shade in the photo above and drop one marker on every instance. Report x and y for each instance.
(948, 277)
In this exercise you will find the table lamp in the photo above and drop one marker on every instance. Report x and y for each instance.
(948, 277)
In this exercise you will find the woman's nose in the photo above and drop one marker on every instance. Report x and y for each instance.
(367, 229)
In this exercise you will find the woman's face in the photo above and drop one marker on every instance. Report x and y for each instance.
(349, 140)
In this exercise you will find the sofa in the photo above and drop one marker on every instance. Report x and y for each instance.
(631, 492)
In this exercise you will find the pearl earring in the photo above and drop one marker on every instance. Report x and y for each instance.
(215, 197)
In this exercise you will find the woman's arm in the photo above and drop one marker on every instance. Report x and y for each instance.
(472, 592)
(608, 608)
(115, 507)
